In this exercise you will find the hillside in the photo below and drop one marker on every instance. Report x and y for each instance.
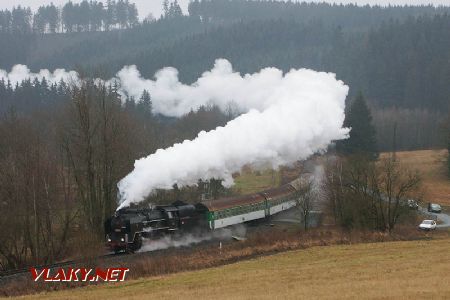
(414, 269)
(408, 69)
(431, 165)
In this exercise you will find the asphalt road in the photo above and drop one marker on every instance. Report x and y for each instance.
(442, 217)
(292, 216)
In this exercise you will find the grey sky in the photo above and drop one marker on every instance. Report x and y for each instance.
(154, 6)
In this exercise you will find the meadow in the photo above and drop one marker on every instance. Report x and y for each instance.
(432, 166)
(391, 270)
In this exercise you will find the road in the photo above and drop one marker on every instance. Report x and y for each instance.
(292, 216)
(442, 217)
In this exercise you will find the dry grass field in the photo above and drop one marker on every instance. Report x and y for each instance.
(393, 270)
(253, 181)
(431, 164)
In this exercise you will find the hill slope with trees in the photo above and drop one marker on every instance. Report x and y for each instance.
(397, 56)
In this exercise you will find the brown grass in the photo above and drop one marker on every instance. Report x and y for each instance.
(259, 244)
(248, 181)
(406, 270)
(431, 165)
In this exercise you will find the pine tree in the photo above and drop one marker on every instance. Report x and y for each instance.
(166, 8)
(362, 138)
(144, 105)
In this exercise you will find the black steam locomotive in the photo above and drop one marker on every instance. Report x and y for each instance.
(126, 229)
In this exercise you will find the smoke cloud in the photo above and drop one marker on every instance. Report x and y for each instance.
(221, 234)
(20, 73)
(167, 242)
(284, 118)
(220, 86)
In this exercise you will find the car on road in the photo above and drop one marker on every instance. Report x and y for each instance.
(435, 208)
(428, 225)
(412, 204)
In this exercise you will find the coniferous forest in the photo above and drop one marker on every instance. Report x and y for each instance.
(396, 56)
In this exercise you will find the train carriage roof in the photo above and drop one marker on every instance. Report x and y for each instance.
(224, 203)
(278, 192)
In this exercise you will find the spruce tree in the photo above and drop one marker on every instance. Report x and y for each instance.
(362, 138)
(144, 105)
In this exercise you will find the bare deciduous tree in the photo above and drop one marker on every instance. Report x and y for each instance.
(98, 142)
(35, 196)
(305, 197)
(368, 194)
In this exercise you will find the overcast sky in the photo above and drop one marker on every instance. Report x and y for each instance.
(154, 6)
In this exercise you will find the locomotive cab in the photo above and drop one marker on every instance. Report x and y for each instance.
(171, 218)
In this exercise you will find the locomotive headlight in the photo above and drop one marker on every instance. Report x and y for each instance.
(109, 240)
(122, 240)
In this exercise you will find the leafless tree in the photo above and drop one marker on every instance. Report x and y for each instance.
(369, 194)
(35, 196)
(305, 198)
(98, 142)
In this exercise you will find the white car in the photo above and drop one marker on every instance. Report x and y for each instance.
(428, 225)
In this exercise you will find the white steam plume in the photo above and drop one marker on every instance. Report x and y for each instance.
(287, 117)
(20, 73)
(220, 86)
(221, 234)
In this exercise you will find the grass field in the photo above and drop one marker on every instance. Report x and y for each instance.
(431, 164)
(394, 270)
(251, 182)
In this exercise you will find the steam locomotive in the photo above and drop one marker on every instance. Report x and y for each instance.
(125, 230)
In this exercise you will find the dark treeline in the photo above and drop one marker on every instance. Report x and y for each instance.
(351, 16)
(96, 15)
(46, 51)
(108, 51)
(399, 64)
(30, 96)
(72, 17)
